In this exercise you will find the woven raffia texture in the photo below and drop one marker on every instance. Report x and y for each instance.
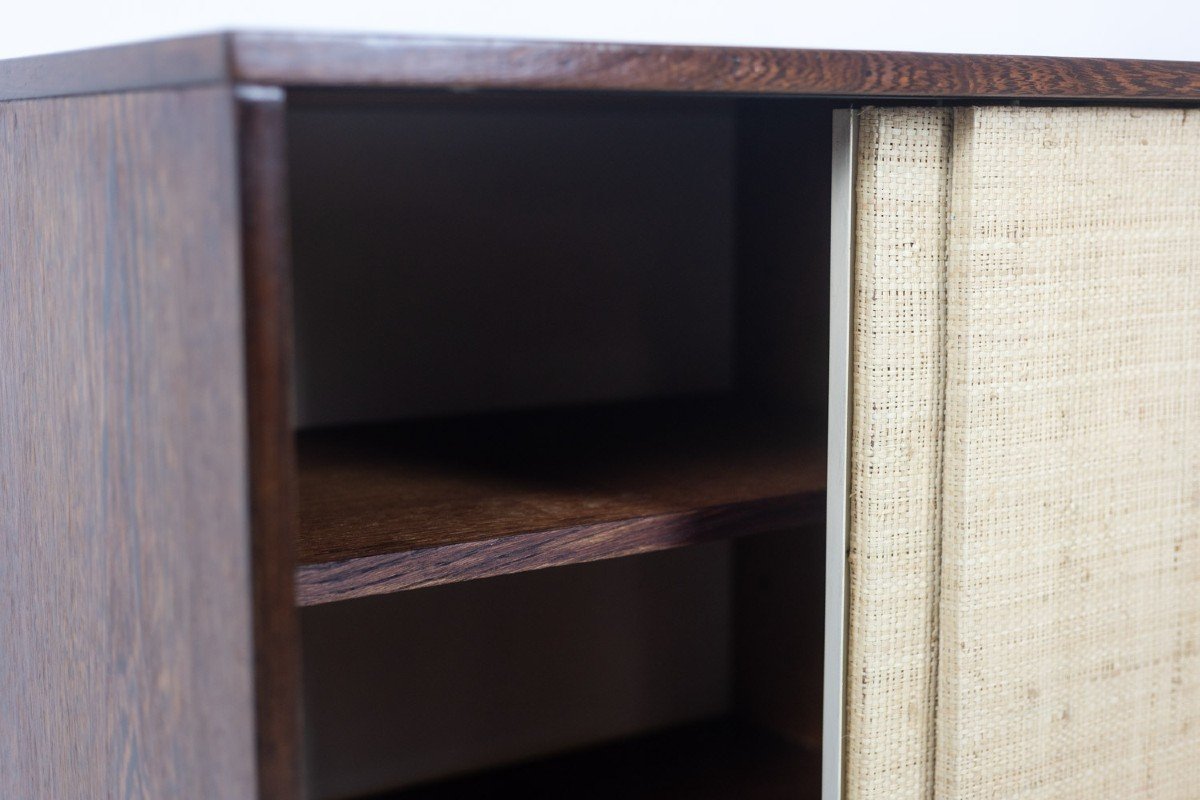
(1070, 596)
(895, 452)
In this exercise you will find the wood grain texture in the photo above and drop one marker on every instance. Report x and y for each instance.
(319, 60)
(266, 269)
(165, 63)
(383, 509)
(125, 659)
(413, 569)
(708, 760)
(307, 59)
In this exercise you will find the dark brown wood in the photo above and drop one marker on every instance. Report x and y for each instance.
(782, 257)
(306, 59)
(383, 509)
(779, 632)
(262, 141)
(125, 604)
(431, 566)
(711, 760)
(417, 293)
(185, 61)
(316, 60)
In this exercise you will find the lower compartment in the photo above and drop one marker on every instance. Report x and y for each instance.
(708, 760)
(693, 672)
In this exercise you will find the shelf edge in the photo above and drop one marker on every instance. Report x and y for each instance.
(413, 569)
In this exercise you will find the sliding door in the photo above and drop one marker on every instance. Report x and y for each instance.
(1024, 467)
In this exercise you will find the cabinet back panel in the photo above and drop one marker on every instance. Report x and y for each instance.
(459, 255)
(419, 685)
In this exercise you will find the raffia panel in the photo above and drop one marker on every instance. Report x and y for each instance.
(1070, 598)
(895, 452)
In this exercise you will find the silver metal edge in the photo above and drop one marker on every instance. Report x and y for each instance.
(841, 257)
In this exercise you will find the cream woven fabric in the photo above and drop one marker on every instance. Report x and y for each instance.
(895, 483)
(1070, 598)
(1025, 456)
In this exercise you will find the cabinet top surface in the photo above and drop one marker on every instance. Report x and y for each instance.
(395, 61)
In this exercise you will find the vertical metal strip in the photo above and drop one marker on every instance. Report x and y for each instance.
(841, 257)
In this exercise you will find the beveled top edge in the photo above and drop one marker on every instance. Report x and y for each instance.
(158, 64)
(296, 59)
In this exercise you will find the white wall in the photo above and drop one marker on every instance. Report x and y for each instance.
(1164, 29)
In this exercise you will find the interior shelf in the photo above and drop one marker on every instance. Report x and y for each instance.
(714, 760)
(385, 508)
(538, 330)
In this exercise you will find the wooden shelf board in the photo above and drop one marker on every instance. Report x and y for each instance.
(711, 760)
(385, 508)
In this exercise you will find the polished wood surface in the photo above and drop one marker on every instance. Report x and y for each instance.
(266, 270)
(126, 625)
(710, 760)
(308, 59)
(389, 508)
(164, 63)
(315, 60)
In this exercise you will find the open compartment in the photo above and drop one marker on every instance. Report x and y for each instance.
(537, 331)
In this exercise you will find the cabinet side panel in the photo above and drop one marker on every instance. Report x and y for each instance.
(897, 377)
(125, 654)
(273, 499)
(1070, 638)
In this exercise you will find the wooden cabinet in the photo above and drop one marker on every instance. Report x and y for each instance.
(442, 418)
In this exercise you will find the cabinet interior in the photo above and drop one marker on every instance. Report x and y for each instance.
(560, 394)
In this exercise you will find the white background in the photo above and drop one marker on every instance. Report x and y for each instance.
(1147, 29)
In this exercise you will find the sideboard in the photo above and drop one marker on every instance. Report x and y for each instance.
(447, 417)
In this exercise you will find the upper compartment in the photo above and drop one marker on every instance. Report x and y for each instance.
(540, 329)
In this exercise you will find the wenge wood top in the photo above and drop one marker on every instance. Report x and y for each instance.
(312, 59)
